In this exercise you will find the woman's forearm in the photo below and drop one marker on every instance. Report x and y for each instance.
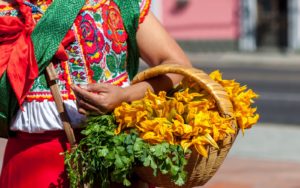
(156, 84)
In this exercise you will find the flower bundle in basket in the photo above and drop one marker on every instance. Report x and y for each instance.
(175, 139)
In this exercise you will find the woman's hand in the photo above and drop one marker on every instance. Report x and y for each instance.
(98, 98)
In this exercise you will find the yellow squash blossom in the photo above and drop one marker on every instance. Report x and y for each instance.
(189, 117)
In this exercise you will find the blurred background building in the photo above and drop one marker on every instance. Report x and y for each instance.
(223, 25)
(257, 43)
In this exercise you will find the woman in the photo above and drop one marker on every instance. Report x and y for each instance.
(91, 67)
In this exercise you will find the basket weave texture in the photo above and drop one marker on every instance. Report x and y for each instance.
(199, 168)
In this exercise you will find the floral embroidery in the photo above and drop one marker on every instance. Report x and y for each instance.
(90, 37)
(113, 27)
(91, 41)
(40, 90)
(114, 44)
(77, 63)
(97, 55)
(78, 75)
(92, 5)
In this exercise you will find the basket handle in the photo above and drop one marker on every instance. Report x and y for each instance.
(200, 77)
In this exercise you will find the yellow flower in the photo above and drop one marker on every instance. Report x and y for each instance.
(241, 99)
(202, 120)
(201, 141)
(185, 144)
(189, 117)
(181, 129)
(216, 75)
(201, 150)
(152, 137)
(185, 96)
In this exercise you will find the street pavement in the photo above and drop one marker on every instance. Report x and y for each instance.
(267, 155)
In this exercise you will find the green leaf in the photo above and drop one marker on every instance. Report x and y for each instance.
(126, 182)
(98, 72)
(110, 155)
(86, 132)
(107, 163)
(118, 140)
(126, 160)
(103, 152)
(168, 161)
(118, 162)
(123, 61)
(129, 149)
(97, 17)
(163, 168)
(128, 140)
(138, 145)
(111, 63)
(180, 181)
(147, 161)
(174, 170)
(153, 164)
(120, 149)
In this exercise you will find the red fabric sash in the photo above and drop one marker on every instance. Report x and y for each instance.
(17, 53)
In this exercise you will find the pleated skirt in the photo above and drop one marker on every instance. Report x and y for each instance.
(35, 160)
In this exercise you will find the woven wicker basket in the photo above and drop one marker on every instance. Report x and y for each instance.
(199, 169)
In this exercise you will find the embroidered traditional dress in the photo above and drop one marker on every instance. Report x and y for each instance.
(97, 54)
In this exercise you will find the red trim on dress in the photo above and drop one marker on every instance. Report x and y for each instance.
(145, 10)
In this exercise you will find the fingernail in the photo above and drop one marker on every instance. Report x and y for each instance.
(83, 86)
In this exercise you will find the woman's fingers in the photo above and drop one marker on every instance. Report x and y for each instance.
(87, 102)
(88, 109)
(83, 111)
(99, 98)
(97, 88)
(87, 96)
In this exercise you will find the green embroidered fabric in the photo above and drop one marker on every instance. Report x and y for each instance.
(52, 28)
(130, 13)
(46, 38)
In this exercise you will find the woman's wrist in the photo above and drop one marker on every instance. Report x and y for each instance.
(126, 94)
(155, 84)
(136, 91)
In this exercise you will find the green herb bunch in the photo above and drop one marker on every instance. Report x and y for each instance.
(103, 157)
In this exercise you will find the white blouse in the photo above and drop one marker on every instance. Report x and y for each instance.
(38, 117)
